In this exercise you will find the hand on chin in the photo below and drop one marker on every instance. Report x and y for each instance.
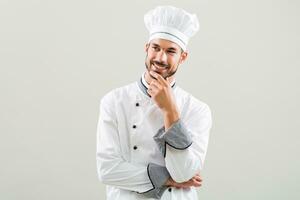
(152, 77)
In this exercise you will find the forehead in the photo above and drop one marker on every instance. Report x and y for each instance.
(166, 44)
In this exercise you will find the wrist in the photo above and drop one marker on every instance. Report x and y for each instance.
(170, 119)
(171, 111)
(171, 116)
(169, 182)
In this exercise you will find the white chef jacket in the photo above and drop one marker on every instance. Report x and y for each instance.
(135, 155)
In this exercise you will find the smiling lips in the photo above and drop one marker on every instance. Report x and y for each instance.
(158, 67)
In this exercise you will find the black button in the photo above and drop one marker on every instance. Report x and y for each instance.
(134, 126)
(135, 147)
(170, 189)
(137, 104)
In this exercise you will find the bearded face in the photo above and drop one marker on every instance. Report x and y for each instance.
(163, 57)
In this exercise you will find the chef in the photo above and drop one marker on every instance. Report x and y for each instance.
(152, 135)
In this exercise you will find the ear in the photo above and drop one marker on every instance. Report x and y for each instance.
(183, 56)
(147, 47)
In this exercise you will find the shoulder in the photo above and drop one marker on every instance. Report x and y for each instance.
(117, 94)
(192, 104)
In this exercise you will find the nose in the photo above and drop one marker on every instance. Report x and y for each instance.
(162, 57)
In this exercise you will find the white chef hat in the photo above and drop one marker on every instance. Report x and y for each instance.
(171, 23)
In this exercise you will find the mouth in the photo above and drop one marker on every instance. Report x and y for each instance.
(159, 68)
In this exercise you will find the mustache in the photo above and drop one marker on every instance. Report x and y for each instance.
(160, 64)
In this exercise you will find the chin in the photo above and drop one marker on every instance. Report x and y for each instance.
(164, 75)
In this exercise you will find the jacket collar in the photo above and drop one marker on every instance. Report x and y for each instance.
(143, 85)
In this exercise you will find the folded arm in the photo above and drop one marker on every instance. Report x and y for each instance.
(114, 170)
(184, 144)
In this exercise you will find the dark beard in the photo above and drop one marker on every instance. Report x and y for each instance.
(165, 77)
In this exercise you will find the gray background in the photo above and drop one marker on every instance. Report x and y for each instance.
(59, 57)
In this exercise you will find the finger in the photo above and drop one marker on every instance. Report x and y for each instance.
(177, 185)
(183, 186)
(154, 74)
(154, 88)
(162, 80)
(159, 78)
(190, 183)
(198, 178)
(156, 84)
(198, 175)
(150, 92)
(197, 183)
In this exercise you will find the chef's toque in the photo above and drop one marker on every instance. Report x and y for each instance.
(171, 23)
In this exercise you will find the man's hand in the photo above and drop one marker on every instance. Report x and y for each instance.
(196, 181)
(161, 92)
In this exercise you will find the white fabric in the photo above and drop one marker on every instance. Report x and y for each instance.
(123, 169)
(171, 23)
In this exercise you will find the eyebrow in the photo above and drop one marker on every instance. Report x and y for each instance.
(171, 48)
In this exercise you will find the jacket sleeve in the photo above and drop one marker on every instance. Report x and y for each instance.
(114, 170)
(184, 144)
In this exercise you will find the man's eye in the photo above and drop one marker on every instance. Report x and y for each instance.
(155, 48)
(171, 52)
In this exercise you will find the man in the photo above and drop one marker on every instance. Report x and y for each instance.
(152, 135)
